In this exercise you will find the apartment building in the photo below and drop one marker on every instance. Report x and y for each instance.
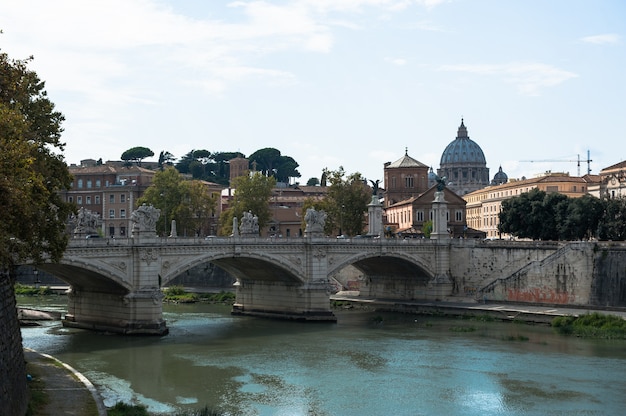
(110, 190)
(484, 205)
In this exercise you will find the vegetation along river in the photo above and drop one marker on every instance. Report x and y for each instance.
(368, 363)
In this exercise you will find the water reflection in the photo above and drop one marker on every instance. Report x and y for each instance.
(366, 364)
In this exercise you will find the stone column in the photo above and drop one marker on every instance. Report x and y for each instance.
(375, 217)
(440, 285)
(440, 220)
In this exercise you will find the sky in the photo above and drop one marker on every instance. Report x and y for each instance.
(334, 83)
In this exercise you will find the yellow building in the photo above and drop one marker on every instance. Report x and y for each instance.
(484, 205)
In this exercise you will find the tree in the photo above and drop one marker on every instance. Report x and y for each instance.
(347, 200)
(196, 209)
(270, 162)
(32, 172)
(312, 182)
(613, 223)
(581, 218)
(136, 154)
(166, 194)
(165, 158)
(187, 202)
(252, 193)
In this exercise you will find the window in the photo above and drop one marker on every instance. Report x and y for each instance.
(111, 199)
(111, 213)
(80, 183)
(98, 183)
(419, 215)
(393, 182)
(459, 215)
(88, 183)
(70, 199)
(79, 200)
(122, 230)
(97, 199)
(123, 198)
(408, 182)
(111, 231)
(88, 200)
(122, 213)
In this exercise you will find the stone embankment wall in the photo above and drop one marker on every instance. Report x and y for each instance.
(13, 388)
(575, 273)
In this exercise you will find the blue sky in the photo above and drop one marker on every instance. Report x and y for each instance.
(333, 83)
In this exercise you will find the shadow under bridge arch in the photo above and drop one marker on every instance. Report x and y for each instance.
(245, 268)
(389, 276)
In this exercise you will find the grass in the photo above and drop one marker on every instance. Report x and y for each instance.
(177, 294)
(594, 325)
(26, 290)
(38, 397)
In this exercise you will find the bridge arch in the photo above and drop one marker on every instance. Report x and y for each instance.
(249, 266)
(396, 264)
(89, 273)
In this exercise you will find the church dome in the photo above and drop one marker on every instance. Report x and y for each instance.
(500, 177)
(463, 151)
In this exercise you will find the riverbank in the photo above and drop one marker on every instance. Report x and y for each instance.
(540, 314)
(58, 389)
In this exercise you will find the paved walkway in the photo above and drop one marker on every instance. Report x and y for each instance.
(506, 311)
(69, 393)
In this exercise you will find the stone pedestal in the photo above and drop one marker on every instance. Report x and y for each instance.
(375, 217)
(440, 219)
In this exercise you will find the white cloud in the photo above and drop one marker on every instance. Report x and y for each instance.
(530, 78)
(602, 39)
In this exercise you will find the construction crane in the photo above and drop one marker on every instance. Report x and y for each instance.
(588, 161)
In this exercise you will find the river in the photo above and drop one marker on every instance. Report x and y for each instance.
(368, 363)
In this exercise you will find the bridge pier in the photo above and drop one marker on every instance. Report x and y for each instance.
(284, 300)
(138, 312)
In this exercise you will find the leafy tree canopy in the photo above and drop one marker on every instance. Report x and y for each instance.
(552, 216)
(270, 162)
(347, 201)
(187, 202)
(252, 193)
(32, 170)
(136, 154)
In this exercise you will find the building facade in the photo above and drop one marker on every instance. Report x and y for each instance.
(484, 206)
(404, 178)
(611, 182)
(110, 190)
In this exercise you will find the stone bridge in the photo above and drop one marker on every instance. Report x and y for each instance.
(116, 283)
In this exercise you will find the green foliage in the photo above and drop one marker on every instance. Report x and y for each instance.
(187, 202)
(25, 290)
(205, 411)
(222, 297)
(270, 162)
(427, 228)
(123, 409)
(177, 294)
(204, 165)
(312, 182)
(136, 154)
(612, 226)
(553, 216)
(252, 193)
(346, 202)
(165, 158)
(32, 169)
(593, 325)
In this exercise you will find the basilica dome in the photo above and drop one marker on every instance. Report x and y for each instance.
(463, 150)
(463, 164)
